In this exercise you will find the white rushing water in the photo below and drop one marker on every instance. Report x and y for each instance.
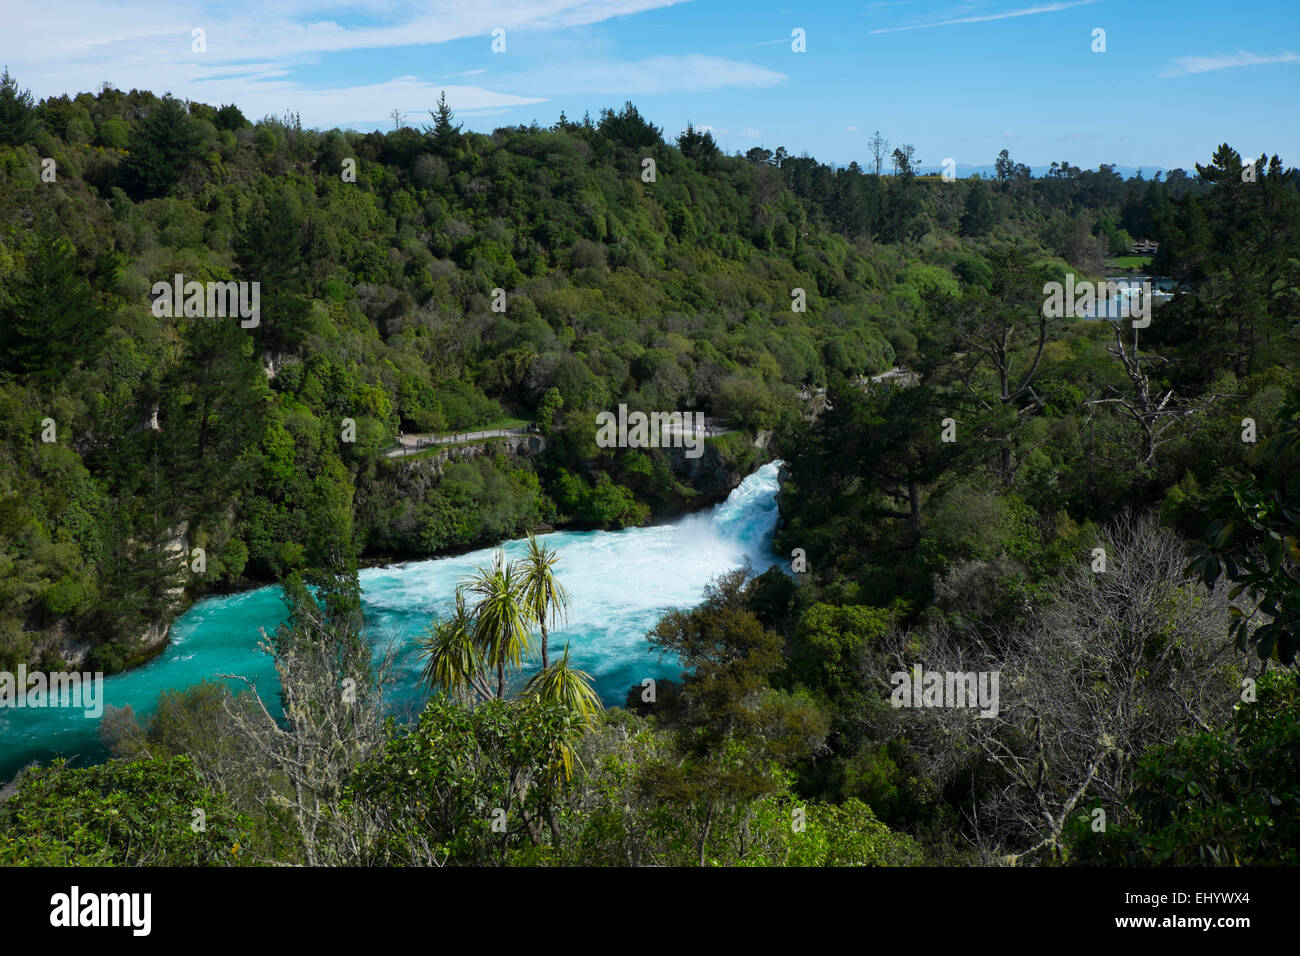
(621, 583)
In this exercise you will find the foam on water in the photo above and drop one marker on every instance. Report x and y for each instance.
(621, 583)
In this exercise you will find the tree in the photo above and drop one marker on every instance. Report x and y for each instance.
(273, 250)
(552, 403)
(503, 618)
(55, 320)
(466, 786)
(977, 219)
(902, 213)
(698, 146)
(230, 117)
(546, 597)
(1114, 664)
(454, 660)
(446, 135)
(1222, 798)
(17, 112)
(905, 161)
(1003, 166)
(331, 698)
(120, 813)
(989, 325)
(627, 128)
(1229, 248)
(1156, 412)
(567, 687)
(1253, 540)
(879, 149)
(162, 146)
(734, 732)
(215, 397)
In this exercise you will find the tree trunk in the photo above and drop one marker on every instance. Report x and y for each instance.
(914, 504)
(704, 837)
(545, 659)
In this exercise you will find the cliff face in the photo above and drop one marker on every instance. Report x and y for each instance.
(717, 472)
(424, 469)
(60, 646)
(708, 474)
(713, 475)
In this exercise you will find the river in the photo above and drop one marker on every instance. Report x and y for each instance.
(621, 582)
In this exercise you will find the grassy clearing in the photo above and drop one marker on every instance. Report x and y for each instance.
(499, 423)
(1128, 262)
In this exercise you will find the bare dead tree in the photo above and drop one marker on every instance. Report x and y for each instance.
(331, 695)
(879, 147)
(1118, 662)
(1156, 415)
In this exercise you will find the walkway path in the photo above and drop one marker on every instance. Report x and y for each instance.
(410, 444)
(899, 376)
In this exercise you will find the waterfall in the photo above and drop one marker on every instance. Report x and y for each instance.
(621, 582)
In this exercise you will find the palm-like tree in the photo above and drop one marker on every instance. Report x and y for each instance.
(567, 686)
(546, 597)
(570, 688)
(454, 661)
(503, 620)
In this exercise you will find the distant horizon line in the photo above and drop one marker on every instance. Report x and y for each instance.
(1148, 171)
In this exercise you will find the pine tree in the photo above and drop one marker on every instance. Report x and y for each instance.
(162, 148)
(977, 219)
(17, 112)
(445, 134)
(55, 318)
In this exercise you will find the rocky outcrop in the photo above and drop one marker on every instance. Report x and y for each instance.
(60, 643)
(151, 642)
(431, 465)
(715, 474)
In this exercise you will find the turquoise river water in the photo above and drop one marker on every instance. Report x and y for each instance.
(621, 582)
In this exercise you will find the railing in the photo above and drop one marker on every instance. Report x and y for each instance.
(417, 443)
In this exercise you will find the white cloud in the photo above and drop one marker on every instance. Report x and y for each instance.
(1224, 61)
(659, 74)
(986, 17)
(852, 129)
(254, 46)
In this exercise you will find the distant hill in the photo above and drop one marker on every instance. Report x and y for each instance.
(965, 171)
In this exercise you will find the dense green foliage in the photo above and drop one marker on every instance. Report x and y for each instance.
(1021, 504)
(1226, 799)
(962, 522)
(141, 813)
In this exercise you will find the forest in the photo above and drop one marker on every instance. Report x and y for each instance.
(1107, 515)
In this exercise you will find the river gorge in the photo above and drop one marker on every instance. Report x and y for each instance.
(621, 582)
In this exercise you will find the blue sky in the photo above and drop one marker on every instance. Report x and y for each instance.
(959, 80)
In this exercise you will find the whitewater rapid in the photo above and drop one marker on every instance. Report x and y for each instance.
(621, 583)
